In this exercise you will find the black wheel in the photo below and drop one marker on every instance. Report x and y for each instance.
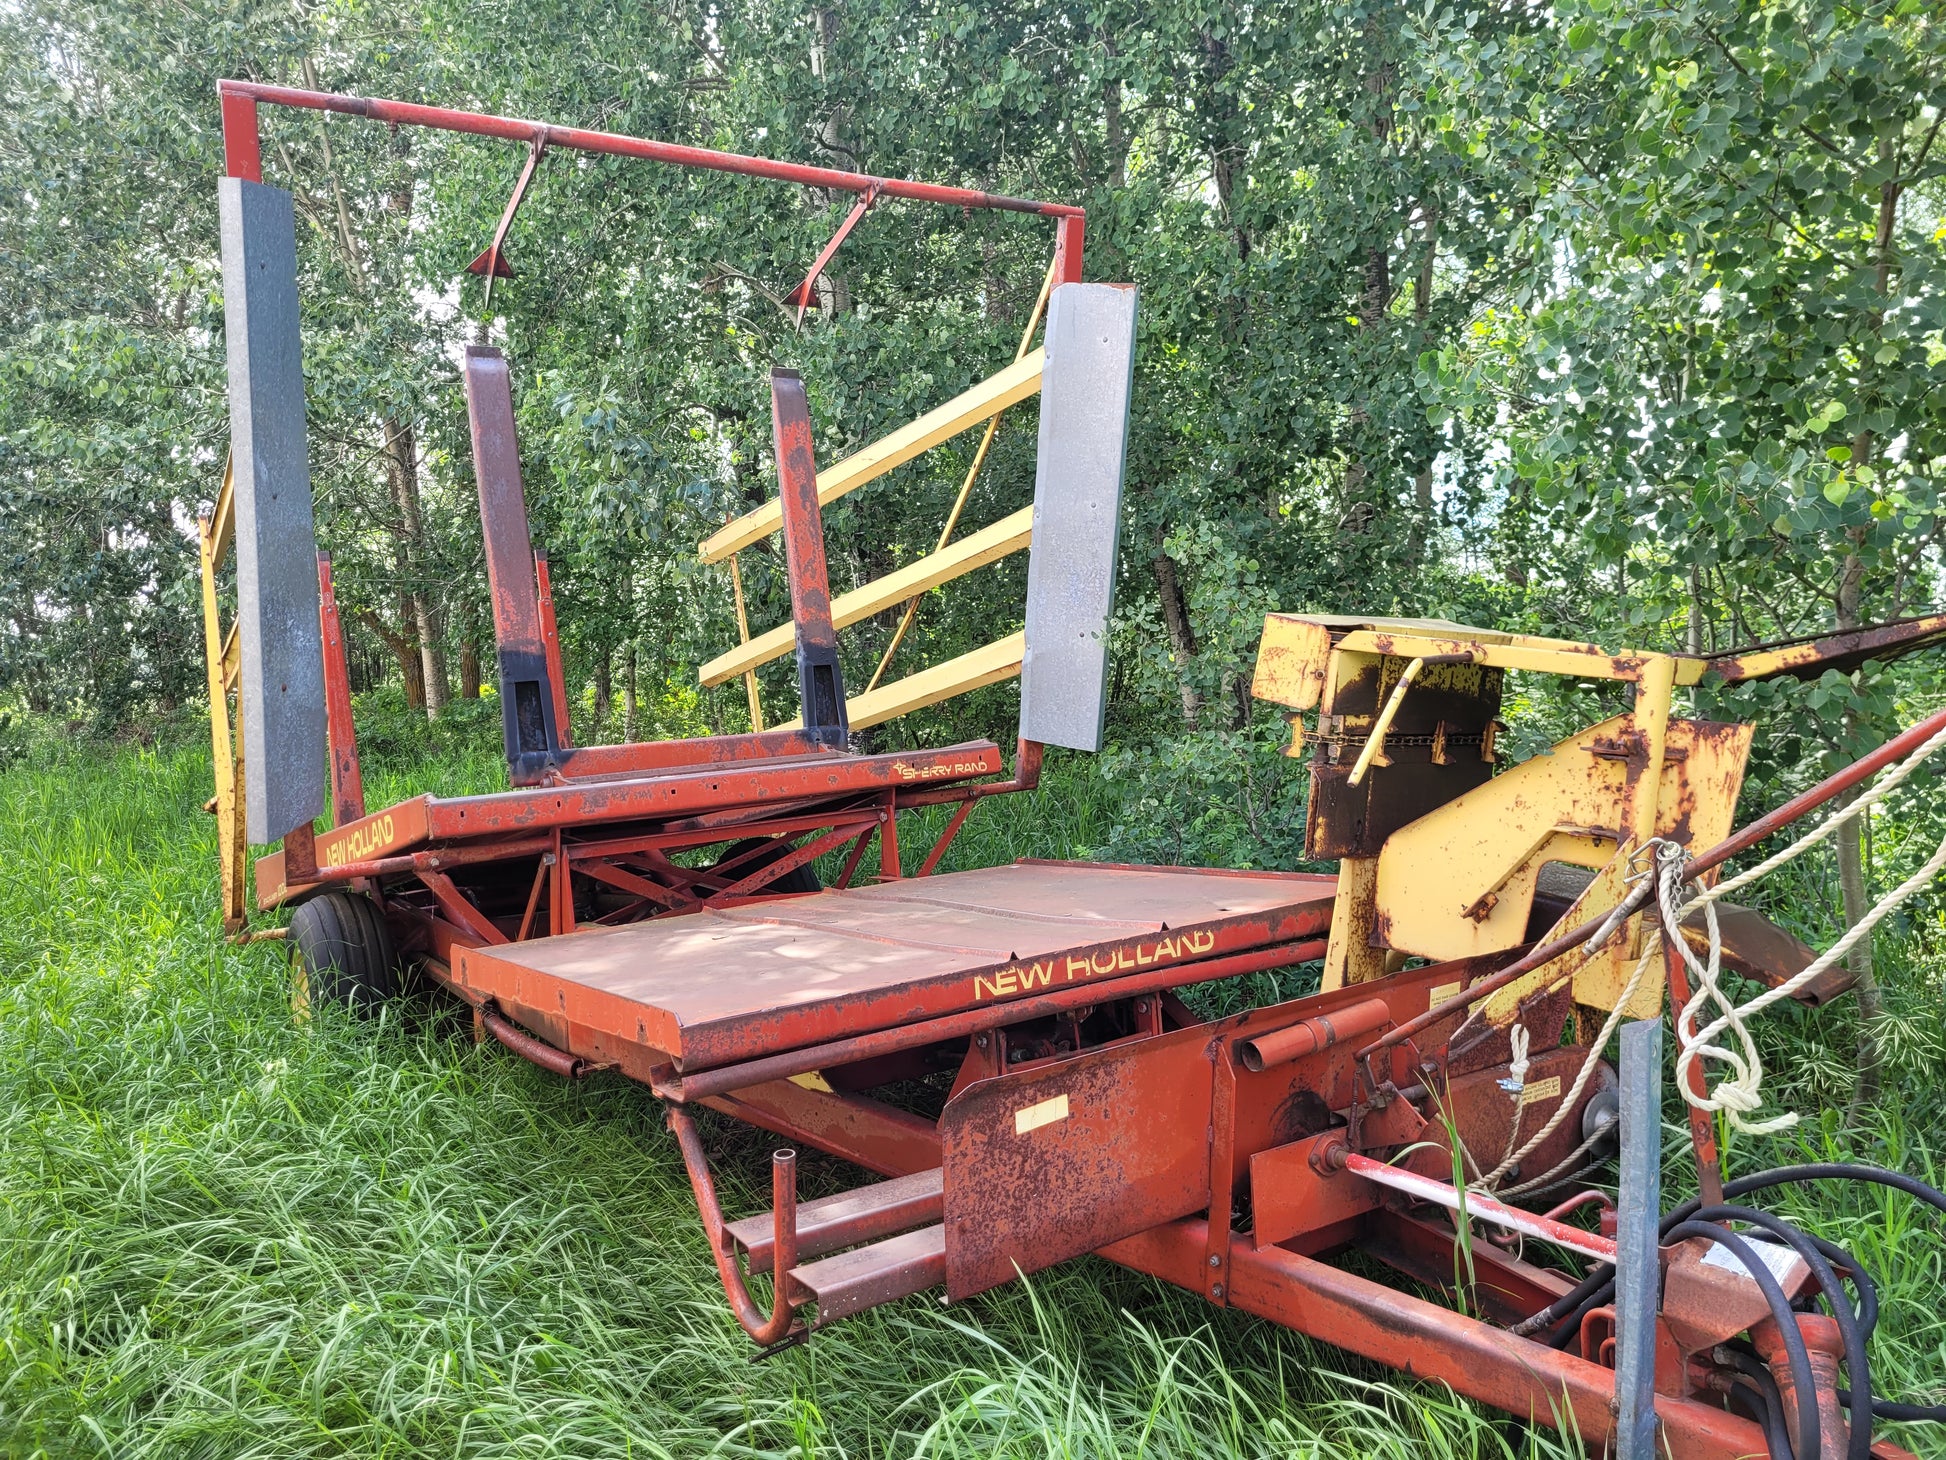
(341, 953)
(798, 879)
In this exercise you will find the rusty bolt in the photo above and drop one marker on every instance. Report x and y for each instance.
(1216, 1290)
(1330, 1158)
(1215, 1261)
(1141, 1006)
(981, 1041)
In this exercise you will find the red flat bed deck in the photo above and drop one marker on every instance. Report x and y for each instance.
(725, 985)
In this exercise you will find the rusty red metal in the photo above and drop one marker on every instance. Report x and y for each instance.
(445, 119)
(1476, 1359)
(551, 646)
(347, 784)
(802, 296)
(820, 684)
(535, 1051)
(1476, 1204)
(531, 725)
(1045, 1165)
(895, 955)
(764, 1328)
(242, 156)
(847, 1219)
(491, 261)
(1308, 1036)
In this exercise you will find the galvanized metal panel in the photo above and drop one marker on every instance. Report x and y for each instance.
(1086, 386)
(1638, 1270)
(276, 543)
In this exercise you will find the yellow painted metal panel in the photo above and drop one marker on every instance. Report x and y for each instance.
(1459, 881)
(1548, 656)
(220, 655)
(989, 665)
(1009, 535)
(1291, 659)
(223, 519)
(990, 396)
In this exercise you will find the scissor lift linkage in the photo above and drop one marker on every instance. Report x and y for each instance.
(1073, 1102)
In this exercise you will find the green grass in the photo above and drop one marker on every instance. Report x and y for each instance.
(224, 1234)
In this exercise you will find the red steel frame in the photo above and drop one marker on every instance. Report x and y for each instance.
(672, 795)
(487, 871)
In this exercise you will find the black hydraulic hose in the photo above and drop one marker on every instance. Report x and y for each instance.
(1851, 1270)
(1764, 1408)
(1757, 1377)
(1780, 1309)
(1856, 1361)
(1823, 1171)
(1567, 1311)
(1893, 1409)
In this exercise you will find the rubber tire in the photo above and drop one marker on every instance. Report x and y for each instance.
(798, 879)
(342, 952)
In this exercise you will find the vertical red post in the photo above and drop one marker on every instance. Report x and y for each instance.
(560, 893)
(890, 868)
(241, 156)
(1702, 1124)
(347, 785)
(551, 646)
(1068, 237)
(821, 687)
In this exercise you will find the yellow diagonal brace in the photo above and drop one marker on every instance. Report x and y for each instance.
(988, 665)
(1009, 535)
(1015, 383)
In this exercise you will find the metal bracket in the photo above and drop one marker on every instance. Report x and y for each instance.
(490, 261)
(801, 295)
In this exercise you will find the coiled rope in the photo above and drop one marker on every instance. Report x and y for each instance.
(1738, 1094)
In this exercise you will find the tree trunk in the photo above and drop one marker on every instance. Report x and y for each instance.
(1422, 505)
(403, 650)
(1113, 131)
(469, 670)
(1852, 881)
(628, 692)
(1182, 638)
(402, 474)
(604, 687)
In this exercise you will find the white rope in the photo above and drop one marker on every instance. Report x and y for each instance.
(1739, 1094)
(1570, 1101)
(1825, 830)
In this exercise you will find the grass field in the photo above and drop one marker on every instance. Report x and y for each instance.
(223, 1234)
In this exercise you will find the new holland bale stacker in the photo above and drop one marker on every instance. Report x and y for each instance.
(1006, 1049)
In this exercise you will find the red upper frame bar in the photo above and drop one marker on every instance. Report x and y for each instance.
(243, 159)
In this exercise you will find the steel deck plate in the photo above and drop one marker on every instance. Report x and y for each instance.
(720, 986)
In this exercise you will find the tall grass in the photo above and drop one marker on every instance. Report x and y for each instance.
(224, 1234)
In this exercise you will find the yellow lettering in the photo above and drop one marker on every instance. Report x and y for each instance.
(1037, 976)
(983, 987)
(1077, 967)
